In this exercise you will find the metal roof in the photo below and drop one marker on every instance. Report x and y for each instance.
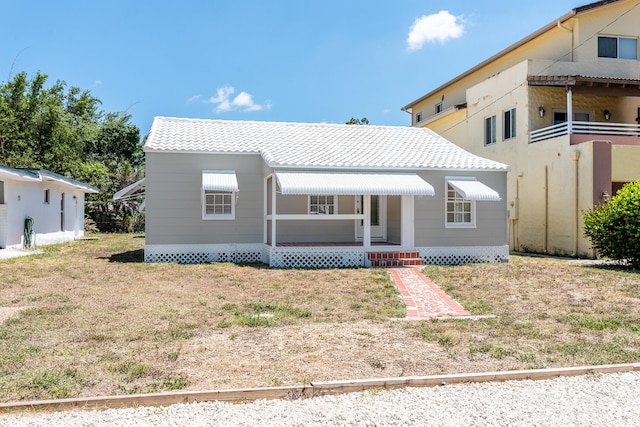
(129, 190)
(316, 146)
(472, 189)
(217, 180)
(42, 175)
(389, 184)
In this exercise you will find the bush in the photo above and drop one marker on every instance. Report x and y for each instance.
(614, 228)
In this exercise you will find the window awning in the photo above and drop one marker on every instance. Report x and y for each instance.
(472, 189)
(384, 184)
(219, 180)
(129, 190)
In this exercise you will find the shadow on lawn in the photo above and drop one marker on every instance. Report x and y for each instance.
(129, 256)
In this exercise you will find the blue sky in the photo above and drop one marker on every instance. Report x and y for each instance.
(276, 60)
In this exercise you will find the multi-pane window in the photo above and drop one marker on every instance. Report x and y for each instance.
(460, 212)
(617, 47)
(509, 124)
(218, 204)
(490, 130)
(323, 205)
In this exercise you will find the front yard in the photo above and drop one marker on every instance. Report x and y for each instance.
(90, 318)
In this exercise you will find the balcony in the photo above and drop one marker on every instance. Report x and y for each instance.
(585, 128)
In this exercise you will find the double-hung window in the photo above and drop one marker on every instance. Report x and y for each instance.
(490, 130)
(509, 124)
(219, 190)
(218, 204)
(460, 212)
(618, 47)
(323, 205)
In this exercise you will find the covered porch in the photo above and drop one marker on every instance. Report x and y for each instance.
(326, 219)
(593, 107)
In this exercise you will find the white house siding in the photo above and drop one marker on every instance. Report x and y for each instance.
(26, 199)
(173, 194)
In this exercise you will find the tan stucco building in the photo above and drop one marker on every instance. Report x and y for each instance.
(562, 107)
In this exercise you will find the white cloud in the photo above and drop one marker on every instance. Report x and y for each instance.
(438, 27)
(225, 101)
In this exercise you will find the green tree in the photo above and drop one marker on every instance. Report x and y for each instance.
(63, 129)
(354, 121)
(614, 227)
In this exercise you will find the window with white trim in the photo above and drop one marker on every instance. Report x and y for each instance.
(418, 117)
(490, 130)
(323, 205)
(439, 107)
(218, 205)
(509, 124)
(461, 213)
(618, 47)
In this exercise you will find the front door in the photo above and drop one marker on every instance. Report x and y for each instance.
(378, 218)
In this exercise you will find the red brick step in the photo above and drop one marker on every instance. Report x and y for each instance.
(395, 259)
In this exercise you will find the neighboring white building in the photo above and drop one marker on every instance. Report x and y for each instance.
(48, 204)
(318, 195)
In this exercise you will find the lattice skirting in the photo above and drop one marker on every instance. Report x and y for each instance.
(189, 254)
(464, 255)
(316, 257)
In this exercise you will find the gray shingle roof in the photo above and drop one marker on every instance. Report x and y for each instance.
(304, 145)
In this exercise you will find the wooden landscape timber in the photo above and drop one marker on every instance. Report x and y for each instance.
(314, 389)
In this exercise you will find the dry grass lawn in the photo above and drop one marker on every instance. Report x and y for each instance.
(90, 318)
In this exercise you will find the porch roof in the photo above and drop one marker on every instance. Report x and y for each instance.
(472, 189)
(384, 184)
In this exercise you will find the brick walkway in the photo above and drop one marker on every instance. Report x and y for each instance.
(423, 298)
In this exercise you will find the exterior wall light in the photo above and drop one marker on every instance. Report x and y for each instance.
(541, 111)
(607, 114)
(605, 196)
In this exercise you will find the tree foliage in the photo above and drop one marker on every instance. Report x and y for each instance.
(354, 121)
(614, 228)
(64, 130)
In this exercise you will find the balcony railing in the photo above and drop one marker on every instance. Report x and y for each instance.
(584, 128)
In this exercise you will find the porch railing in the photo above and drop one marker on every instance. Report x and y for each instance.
(585, 128)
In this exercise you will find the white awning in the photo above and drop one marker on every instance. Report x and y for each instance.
(219, 181)
(384, 184)
(129, 190)
(472, 189)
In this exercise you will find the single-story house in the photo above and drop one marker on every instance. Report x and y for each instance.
(318, 195)
(39, 207)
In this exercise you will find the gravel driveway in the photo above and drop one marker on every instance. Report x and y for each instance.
(592, 400)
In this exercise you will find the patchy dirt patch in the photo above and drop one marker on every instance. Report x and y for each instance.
(9, 312)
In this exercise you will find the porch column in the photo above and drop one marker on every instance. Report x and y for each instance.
(366, 229)
(569, 111)
(274, 184)
(407, 222)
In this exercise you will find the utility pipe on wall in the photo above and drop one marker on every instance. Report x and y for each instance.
(575, 156)
(546, 209)
(570, 30)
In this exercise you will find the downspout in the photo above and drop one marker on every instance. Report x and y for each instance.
(575, 156)
(559, 24)
(546, 209)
